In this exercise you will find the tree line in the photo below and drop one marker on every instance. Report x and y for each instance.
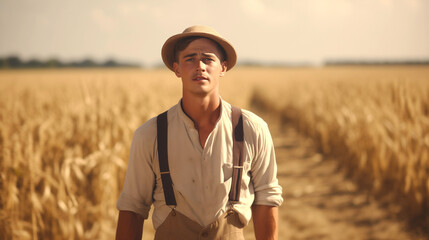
(376, 62)
(16, 62)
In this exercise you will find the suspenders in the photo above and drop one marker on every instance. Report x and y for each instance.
(238, 139)
(167, 184)
(237, 153)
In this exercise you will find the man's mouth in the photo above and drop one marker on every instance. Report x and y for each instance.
(199, 78)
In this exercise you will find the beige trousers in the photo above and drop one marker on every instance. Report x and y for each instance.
(179, 227)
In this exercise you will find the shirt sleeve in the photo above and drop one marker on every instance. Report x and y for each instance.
(139, 183)
(264, 170)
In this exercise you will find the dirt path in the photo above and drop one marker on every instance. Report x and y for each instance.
(319, 202)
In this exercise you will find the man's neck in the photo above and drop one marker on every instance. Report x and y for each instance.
(204, 111)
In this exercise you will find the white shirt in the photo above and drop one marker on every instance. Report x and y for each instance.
(201, 176)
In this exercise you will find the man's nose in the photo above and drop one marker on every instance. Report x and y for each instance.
(201, 66)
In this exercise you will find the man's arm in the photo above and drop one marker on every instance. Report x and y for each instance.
(130, 226)
(265, 222)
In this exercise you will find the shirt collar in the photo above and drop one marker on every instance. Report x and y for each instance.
(188, 121)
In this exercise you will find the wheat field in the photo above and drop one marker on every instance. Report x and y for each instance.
(65, 134)
(375, 121)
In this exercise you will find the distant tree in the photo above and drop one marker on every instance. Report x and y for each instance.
(3, 63)
(53, 63)
(34, 63)
(13, 62)
(110, 63)
(84, 63)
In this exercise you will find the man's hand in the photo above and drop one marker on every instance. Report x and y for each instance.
(265, 222)
(130, 226)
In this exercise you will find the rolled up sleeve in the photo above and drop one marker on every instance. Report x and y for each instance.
(139, 182)
(264, 171)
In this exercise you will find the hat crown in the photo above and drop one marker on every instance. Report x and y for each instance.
(201, 29)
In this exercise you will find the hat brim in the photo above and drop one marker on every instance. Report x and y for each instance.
(167, 51)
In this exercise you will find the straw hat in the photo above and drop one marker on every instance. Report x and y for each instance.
(167, 51)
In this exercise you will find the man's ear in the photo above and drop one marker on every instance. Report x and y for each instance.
(224, 68)
(176, 69)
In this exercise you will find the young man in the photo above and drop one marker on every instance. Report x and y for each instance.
(192, 193)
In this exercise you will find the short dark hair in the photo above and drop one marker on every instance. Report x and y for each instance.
(184, 43)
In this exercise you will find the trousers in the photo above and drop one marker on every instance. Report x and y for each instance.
(179, 227)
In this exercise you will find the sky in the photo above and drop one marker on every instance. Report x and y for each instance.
(270, 31)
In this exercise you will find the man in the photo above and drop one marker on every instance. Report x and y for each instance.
(194, 202)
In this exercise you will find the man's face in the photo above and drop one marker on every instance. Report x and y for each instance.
(200, 67)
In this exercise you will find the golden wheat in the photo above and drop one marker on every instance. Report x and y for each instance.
(65, 134)
(374, 120)
(64, 143)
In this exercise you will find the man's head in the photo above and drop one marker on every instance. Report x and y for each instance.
(179, 42)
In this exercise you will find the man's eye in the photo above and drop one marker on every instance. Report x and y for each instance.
(189, 60)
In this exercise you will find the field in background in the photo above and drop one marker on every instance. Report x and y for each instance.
(64, 135)
(374, 120)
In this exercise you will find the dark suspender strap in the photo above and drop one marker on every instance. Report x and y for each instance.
(167, 183)
(237, 150)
